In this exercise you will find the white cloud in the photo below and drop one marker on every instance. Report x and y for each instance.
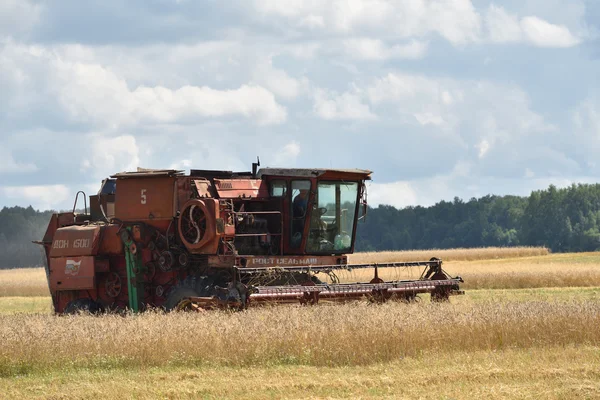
(287, 155)
(414, 192)
(277, 80)
(41, 197)
(18, 16)
(397, 86)
(184, 164)
(94, 93)
(484, 147)
(584, 137)
(377, 50)
(303, 51)
(528, 173)
(312, 21)
(587, 117)
(428, 101)
(398, 194)
(166, 105)
(197, 64)
(290, 8)
(504, 27)
(545, 34)
(447, 98)
(429, 119)
(486, 122)
(212, 145)
(455, 20)
(446, 101)
(331, 106)
(109, 155)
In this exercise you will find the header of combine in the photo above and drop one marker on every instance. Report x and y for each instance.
(218, 238)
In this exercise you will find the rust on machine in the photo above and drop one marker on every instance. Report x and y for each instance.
(210, 239)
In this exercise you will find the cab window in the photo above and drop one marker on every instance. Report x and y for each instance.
(278, 188)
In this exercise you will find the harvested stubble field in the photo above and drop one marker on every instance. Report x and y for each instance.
(539, 340)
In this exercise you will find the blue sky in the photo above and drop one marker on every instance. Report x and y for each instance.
(439, 98)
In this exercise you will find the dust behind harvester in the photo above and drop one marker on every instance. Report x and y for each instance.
(160, 238)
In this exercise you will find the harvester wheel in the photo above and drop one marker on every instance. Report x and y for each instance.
(176, 298)
(83, 305)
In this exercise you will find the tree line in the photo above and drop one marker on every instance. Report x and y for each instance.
(564, 220)
(18, 228)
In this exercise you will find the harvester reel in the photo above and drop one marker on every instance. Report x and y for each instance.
(309, 298)
(113, 285)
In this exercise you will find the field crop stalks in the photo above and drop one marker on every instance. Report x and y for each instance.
(350, 334)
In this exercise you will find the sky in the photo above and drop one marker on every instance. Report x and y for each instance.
(439, 98)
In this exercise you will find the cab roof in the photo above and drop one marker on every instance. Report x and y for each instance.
(326, 173)
(316, 173)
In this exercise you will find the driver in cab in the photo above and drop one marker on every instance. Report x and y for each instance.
(299, 206)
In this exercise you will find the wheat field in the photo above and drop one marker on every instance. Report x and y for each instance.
(484, 253)
(525, 329)
(554, 372)
(23, 282)
(329, 335)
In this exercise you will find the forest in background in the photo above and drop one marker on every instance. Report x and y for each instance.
(18, 227)
(564, 220)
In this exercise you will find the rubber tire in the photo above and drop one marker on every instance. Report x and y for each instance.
(185, 288)
(84, 305)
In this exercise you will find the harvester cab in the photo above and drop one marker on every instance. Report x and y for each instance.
(161, 238)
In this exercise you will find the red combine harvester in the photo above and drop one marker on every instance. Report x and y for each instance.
(160, 238)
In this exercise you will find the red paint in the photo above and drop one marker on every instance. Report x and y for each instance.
(75, 241)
